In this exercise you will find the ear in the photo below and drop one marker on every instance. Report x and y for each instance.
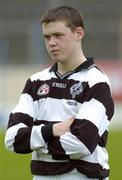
(79, 33)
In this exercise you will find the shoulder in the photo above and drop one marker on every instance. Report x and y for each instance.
(97, 76)
(41, 75)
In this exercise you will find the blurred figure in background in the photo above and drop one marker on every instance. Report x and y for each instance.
(64, 112)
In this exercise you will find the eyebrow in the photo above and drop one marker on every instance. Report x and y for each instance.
(50, 34)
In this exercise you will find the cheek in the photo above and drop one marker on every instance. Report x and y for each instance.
(70, 42)
(47, 46)
(67, 43)
(69, 46)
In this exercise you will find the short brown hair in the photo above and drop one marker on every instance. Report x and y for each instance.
(71, 16)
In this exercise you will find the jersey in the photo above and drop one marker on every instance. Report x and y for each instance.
(49, 97)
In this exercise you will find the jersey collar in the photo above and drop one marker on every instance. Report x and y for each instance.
(84, 66)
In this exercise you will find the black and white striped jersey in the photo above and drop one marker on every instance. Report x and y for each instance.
(49, 97)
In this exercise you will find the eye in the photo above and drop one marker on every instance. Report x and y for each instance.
(47, 37)
(58, 35)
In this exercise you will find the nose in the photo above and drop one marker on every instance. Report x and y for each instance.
(52, 41)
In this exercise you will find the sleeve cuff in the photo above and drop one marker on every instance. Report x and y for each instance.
(47, 132)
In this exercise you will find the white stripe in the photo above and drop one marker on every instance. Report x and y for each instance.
(101, 77)
(42, 75)
(73, 146)
(90, 76)
(63, 112)
(81, 76)
(99, 155)
(25, 105)
(10, 135)
(40, 156)
(36, 140)
(95, 112)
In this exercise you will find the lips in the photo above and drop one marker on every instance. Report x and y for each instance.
(55, 51)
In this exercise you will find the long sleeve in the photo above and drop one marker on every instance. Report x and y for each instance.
(22, 136)
(90, 127)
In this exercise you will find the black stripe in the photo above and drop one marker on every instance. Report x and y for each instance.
(22, 141)
(47, 132)
(29, 88)
(39, 122)
(103, 95)
(91, 170)
(54, 145)
(56, 150)
(86, 132)
(49, 168)
(54, 92)
(100, 92)
(20, 118)
(103, 139)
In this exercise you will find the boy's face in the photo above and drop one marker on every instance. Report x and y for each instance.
(60, 41)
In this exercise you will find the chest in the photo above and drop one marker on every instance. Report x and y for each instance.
(60, 89)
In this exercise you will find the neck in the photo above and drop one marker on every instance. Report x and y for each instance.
(71, 64)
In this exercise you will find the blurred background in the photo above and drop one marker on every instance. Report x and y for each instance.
(22, 53)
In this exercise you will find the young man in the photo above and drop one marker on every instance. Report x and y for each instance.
(64, 112)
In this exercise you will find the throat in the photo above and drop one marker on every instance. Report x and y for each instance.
(64, 68)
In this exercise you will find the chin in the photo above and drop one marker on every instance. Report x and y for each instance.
(57, 59)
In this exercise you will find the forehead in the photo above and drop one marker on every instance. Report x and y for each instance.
(55, 27)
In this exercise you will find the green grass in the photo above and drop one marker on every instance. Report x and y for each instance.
(13, 166)
(115, 154)
(17, 167)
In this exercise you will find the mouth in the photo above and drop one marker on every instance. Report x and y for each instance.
(54, 52)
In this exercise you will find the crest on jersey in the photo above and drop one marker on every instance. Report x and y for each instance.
(76, 89)
(43, 90)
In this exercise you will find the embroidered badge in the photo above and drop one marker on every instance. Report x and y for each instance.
(43, 90)
(76, 89)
